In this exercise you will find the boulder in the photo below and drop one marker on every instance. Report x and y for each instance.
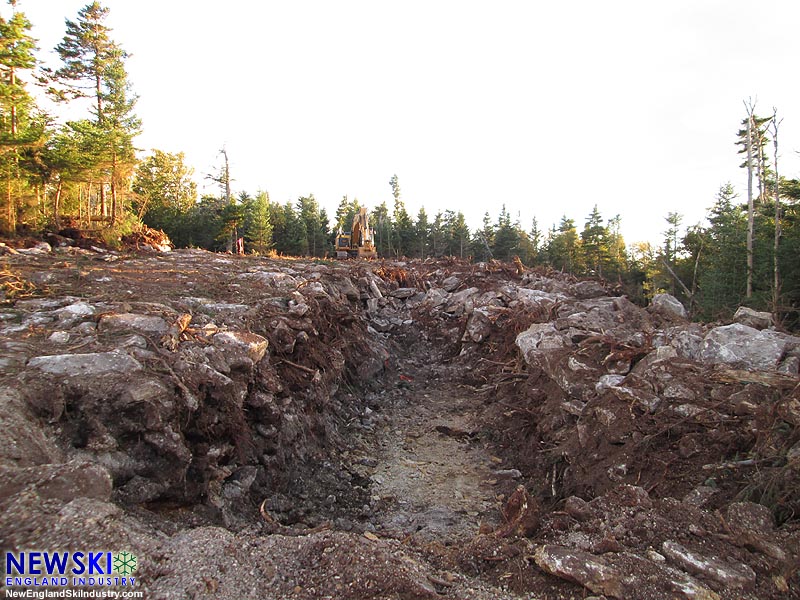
(725, 575)
(478, 327)
(668, 306)
(451, 284)
(743, 347)
(93, 364)
(242, 342)
(539, 339)
(403, 293)
(133, 322)
(588, 570)
(753, 318)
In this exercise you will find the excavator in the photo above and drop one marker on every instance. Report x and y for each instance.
(359, 241)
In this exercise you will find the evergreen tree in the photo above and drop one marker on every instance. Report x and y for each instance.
(723, 273)
(594, 243)
(483, 240)
(289, 231)
(563, 247)
(258, 225)
(21, 126)
(458, 235)
(535, 237)
(403, 227)
(316, 234)
(382, 223)
(617, 254)
(506, 240)
(422, 234)
(438, 235)
(164, 193)
(93, 67)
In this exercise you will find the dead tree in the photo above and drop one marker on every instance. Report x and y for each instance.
(749, 147)
(776, 279)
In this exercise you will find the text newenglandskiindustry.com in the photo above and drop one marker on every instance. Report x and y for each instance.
(70, 593)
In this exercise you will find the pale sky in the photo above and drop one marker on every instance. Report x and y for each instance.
(548, 107)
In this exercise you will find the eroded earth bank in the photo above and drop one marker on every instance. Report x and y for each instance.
(256, 428)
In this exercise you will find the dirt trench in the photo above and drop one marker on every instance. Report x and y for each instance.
(299, 430)
(432, 475)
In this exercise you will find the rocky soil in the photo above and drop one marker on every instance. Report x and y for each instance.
(259, 428)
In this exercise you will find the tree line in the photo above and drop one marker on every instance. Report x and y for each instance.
(84, 174)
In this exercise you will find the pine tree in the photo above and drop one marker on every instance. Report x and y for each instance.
(21, 127)
(723, 272)
(258, 225)
(94, 68)
(594, 243)
(535, 237)
(316, 235)
(505, 238)
(382, 223)
(422, 233)
(563, 246)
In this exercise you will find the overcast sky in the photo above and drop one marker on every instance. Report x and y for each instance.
(548, 107)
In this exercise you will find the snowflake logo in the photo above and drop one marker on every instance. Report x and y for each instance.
(124, 563)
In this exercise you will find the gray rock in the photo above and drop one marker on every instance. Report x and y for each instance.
(272, 278)
(59, 337)
(479, 326)
(460, 302)
(403, 292)
(86, 365)
(539, 339)
(608, 381)
(133, 322)
(688, 344)
(75, 312)
(588, 570)
(753, 318)
(726, 575)
(451, 284)
(743, 347)
(585, 290)
(435, 297)
(536, 299)
(668, 306)
(39, 248)
(790, 365)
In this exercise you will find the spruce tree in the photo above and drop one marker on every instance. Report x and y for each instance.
(94, 68)
(21, 127)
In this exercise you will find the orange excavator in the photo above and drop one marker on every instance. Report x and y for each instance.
(359, 242)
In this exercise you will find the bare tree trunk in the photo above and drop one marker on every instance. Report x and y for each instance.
(776, 279)
(113, 188)
(749, 293)
(11, 221)
(57, 206)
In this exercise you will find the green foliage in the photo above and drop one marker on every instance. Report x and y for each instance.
(382, 223)
(289, 231)
(258, 223)
(562, 246)
(22, 131)
(315, 225)
(164, 192)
